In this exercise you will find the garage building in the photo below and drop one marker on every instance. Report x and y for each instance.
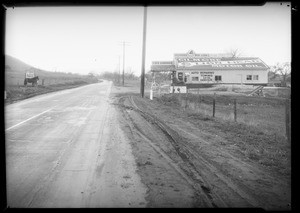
(194, 69)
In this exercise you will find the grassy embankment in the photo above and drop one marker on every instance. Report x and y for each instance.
(259, 133)
(266, 113)
(15, 70)
(15, 89)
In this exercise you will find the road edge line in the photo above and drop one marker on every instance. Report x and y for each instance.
(27, 120)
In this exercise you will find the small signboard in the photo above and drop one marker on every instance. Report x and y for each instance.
(29, 74)
(178, 89)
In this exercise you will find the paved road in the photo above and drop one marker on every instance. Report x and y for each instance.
(66, 149)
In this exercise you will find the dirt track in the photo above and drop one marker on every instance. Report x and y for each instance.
(184, 166)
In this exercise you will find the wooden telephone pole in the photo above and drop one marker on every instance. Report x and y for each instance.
(144, 53)
(119, 69)
(124, 43)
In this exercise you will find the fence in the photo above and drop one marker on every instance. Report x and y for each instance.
(270, 114)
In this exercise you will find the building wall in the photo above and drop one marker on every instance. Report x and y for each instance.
(227, 76)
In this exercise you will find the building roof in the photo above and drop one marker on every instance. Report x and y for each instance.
(207, 61)
(224, 63)
(193, 54)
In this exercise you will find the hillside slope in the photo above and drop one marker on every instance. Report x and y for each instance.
(14, 64)
(15, 70)
(48, 81)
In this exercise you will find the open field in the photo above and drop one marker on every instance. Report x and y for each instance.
(263, 133)
(49, 78)
(16, 93)
(261, 121)
(48, 81)
(15, 89)
(266, 114)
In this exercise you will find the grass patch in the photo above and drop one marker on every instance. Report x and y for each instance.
(267, 114)
(15, 93)
(169, 100)
(198, 116)
(259, 134)
(255, 144)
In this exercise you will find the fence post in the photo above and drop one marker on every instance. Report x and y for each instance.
(199, 101)
(186, 99)
(287, 120)
(159, 94)
(214, 104)
(234, 110)
(151, 94)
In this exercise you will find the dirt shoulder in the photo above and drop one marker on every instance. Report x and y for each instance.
(191, 160)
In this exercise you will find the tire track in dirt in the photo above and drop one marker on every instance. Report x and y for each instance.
(253, 185)
(188, 172)
(214, 180)
(250, 187)
(204, 201)
(187, 153)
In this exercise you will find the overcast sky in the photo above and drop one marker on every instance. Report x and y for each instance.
(84, 39)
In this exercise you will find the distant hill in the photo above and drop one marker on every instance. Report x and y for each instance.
(14, 64)
(15, 71)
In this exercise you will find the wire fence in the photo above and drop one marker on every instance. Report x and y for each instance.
(271, 115)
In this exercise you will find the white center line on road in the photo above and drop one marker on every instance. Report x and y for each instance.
(28, 119)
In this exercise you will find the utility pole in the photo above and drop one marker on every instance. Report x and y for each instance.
(124, 43)
(144, 53)
(123, 61)
(119, 70)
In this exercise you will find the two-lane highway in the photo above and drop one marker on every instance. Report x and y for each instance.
(66, 149)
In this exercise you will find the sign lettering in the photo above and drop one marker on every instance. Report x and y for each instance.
(202, 73)
(206, 63)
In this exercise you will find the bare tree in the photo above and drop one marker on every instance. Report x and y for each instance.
(129, 74)
(282, 69)
(235, 52)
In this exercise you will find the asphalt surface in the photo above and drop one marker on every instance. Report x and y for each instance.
(66, 149)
